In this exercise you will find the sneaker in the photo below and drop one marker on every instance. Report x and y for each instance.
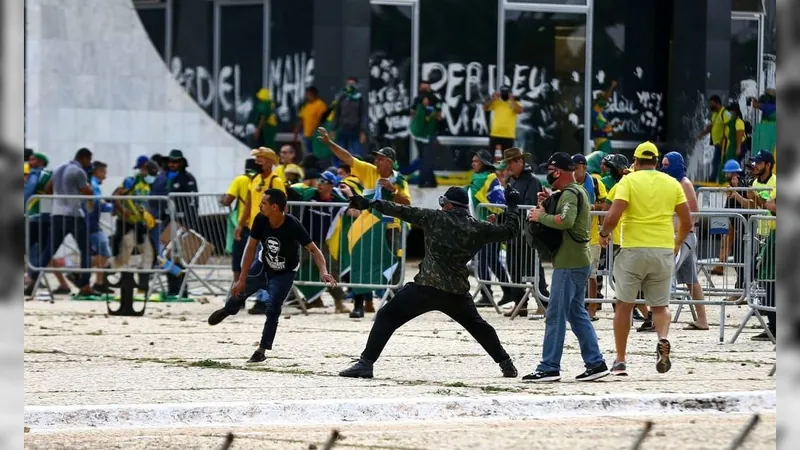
(257, 357)
(543, 377)
(619, 369)
(258, 308)
(217, 316)
(509, 371)
(102, 288)
(637, 316)
(647, 325)
(594, 373)
(761, 337)
(361, 369)
(662, 350)
(63, 290)
(483, 301)
(357, 312)
(29, 289)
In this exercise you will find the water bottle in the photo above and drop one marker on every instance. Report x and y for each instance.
(172, 268)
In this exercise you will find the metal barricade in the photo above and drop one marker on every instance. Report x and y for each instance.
(363, 253)
(202, 242)
(84, 235)
(716, 197)
(760, 291)
(514, 264)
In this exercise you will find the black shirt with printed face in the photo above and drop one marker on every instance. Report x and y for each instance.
(280, 251)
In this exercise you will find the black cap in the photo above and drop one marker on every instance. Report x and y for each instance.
(457, 196)
(485, 158)
(177, 155)
(561, 161)
(387, 152)
(764, 156)
(578, 158)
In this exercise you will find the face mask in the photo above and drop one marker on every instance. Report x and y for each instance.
(149, 179)
(551, 178)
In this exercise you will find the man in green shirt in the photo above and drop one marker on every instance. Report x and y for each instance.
(572, 267)
(426, 112)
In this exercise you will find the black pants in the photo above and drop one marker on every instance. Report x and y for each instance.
(504, 143)
(414, 300)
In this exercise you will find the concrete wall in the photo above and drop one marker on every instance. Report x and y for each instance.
(93, 79)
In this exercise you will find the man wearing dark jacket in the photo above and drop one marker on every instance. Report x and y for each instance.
(452, 238)
(520, 257)
(350, 118)
(181, 181)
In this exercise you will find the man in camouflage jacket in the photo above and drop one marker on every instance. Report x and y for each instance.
(452, 238)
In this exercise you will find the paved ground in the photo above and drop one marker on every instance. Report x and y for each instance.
(668, 432)
(77, 355)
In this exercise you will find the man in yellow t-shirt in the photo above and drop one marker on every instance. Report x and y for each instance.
(310, 117)
(238, 191)
(265, 159)
(505, 109)
(644, 204)
(718, 119)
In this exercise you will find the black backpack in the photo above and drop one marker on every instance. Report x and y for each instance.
(546, 240)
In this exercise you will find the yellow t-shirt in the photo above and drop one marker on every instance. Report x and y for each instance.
(239, 188)
(739, 127)
(311, 113)
(601, 194)
(368, 174)
(615, 237)
(652, 197)
(504, 120)
(719, 122)
(257, 187)
(764, 226)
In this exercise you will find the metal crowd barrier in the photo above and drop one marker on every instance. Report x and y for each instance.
(111, 234)
(375, 263)
(719, 289)
(716, 197)
(760, 291)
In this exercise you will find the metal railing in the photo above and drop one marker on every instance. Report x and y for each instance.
(716, 197)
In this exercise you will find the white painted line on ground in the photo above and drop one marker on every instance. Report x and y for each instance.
(330, 411)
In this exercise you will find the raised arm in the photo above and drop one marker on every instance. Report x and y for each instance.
(410, 214)
(340, 153)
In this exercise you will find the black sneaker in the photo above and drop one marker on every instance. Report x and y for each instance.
(63, 290)
(102, 288)
(663, 363)
(361, 369)
(646, 326)
(594, 373)
(29, 289)
(509, 371)
(217, 317)
(543, 377)
(483, 301)
(259, 308)
(619, 369)
(761, 337)
(257, 357)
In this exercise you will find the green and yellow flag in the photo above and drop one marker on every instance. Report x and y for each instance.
(371, 258)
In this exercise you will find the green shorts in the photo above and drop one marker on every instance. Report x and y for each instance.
(647, 269)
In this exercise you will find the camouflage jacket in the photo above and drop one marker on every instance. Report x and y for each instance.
(452, 238)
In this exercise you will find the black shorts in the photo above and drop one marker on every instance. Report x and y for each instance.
(238, 250)
(504, 143)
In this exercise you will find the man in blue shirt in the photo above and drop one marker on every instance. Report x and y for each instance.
(98, 239)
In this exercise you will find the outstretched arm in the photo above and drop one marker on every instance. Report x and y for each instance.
(337, 150)
(507, 230)
(410, 214)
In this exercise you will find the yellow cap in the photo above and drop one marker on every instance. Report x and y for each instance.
(646, 150)
(27, 168)
(293, 168)
(266, 153)
(263, 94)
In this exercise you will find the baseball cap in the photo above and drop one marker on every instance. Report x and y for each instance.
(764, 156)
(646, 150)
(578, 158)
(41, 157)
(140, 161)
(560, 160)
(329, 177)
(387, 152)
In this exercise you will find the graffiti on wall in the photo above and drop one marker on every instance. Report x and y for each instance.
(225, 87)
(389, 99)
(642, 115)
(288, 77)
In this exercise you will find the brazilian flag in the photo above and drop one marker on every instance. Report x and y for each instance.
(371, 258)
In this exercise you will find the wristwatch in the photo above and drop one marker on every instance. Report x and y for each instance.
(604, 235)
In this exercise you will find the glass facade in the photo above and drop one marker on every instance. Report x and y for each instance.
(222, 52)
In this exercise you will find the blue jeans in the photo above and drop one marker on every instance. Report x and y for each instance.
(567, 292)
(60, 228)
(278, 287)
(716, 163)
(427, 156)
(262, 296)
(489, 259)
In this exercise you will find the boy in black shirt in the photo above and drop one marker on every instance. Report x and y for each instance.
(281, 236)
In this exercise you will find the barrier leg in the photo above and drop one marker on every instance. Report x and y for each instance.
(741, 327)
(127, 286)
(722, 323)
(488, 294)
